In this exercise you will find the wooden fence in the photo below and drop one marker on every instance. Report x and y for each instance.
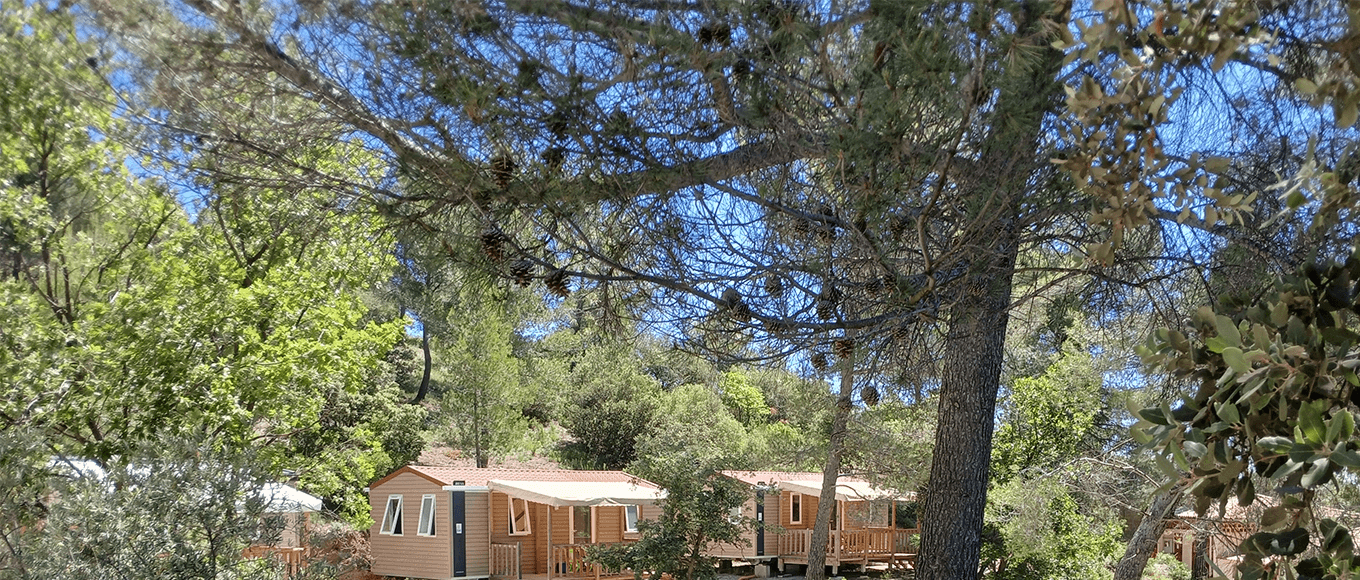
(505, 561)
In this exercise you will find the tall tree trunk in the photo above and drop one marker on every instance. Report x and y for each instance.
(955, 496)
(956, 493)
(1144, 539)
(425, 376)
(826, 502)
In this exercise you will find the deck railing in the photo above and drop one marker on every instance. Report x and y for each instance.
(792, 542)
(571, 560)
(290, 558)
(505, 561)
(849, 544)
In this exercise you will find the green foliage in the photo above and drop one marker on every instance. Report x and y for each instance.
(611, 404)
(128, 321)
(1166, 567)
(1039, 531)
(692, 424)
(893, 441)
(132, 321)
(359, 436)
(1276, 402)
(1040, 525)
(693, 515)
(743, 399)
(23, 495)
(1047, 420)
(171, 510)
(482, 390)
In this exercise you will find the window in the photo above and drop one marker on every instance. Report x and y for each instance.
(519, 516)
(869, 514)
(392, 517)
(630, 519)
(795, 507)
(734, 515)
(426, 527)
(583, 530)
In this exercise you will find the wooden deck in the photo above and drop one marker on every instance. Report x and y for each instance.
(894, 547)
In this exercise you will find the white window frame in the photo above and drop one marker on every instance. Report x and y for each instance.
(734, 515)
(510, 503)
(425, 526)
(795, 507)
(630, 523)
(392, 523)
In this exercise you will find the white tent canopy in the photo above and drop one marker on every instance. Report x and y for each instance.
(584, 493)
(279, 498)
(287, 499)
(845, 490)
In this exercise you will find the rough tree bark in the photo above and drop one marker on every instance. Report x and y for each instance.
(1144, 539)
(956, 495)
(826, 502)
(429, 363)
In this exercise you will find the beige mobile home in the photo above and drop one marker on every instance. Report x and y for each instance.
(863, 526)
(459, 522)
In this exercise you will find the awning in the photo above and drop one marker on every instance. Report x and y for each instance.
(587, 493)
(845, 490)
(286, 499)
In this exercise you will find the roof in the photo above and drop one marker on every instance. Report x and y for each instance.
(810, 483)
(555, 487)
(583, 493)
(450, 475)
(279, 498)
(287, 499)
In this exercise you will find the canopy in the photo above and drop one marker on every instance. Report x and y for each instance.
(286, 499)
(845, 490)
(587, 493)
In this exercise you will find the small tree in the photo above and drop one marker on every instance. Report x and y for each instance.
(694, 515)
(174, 510)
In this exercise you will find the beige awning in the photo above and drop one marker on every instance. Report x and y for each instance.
(845, 490)
(587, 493)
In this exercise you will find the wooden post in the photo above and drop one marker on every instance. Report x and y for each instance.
(550, 544)
(836, 539)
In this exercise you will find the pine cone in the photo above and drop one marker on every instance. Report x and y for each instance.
(502, 169)
(774, 286)
(827, 302)
(874, 287)
(869, 395)
(706, 35)
(819, 361)
(558, 284)
(741, 312)
(553, 158)
(523, 272)
(493, 244)
(843, 347)
(826, 231)
(779, 327)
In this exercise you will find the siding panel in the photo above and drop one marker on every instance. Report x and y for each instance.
(529, 544)
(609, 524)
(411, 555)
(478, 534)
